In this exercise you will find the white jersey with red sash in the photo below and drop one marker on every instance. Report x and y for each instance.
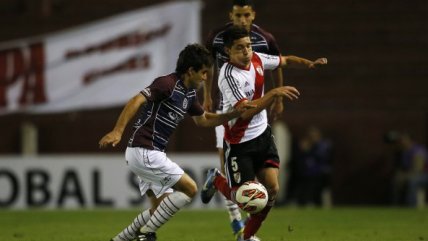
(238, 84)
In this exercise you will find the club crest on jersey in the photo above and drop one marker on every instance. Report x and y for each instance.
(237, 177)
(185, 103)
(147, 92)
(259, 70)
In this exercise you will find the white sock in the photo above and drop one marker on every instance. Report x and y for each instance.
(232, 209)
(129, 233)
(166, 209)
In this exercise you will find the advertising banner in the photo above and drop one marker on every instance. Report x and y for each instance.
(98, 65)
(90, 181)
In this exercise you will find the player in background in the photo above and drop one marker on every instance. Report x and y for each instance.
(163, 104)
(242, 14)
(250, 150)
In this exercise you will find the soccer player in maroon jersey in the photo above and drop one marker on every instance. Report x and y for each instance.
(242, 14)
(163, 104)
(250, 150)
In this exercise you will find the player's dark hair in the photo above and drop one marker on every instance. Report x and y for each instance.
(234, 33)
(195, 56)
(243, 3)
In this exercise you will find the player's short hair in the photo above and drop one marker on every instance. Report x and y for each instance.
(195, 56)
(243, 3)
(234, 33)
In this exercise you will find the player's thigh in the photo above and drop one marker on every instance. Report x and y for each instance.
(186, 185)
(239, 165)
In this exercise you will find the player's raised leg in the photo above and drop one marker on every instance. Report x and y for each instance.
(269, 178)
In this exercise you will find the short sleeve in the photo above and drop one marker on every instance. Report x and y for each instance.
(158, 90)
(270, 61)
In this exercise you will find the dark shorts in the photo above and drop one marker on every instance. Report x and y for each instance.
(244, 160)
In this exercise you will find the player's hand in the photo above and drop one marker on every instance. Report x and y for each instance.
(276, 108)
(319, 62)
(112, 138)
(244, 106)
(286, 91)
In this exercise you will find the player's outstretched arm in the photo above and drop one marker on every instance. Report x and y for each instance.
(295, 62)
(262, 103)
(114, 136)
(209, 119)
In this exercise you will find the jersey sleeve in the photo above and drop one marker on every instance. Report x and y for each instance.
(230, 86)
(196, 108)
(270, 61)
(158, 90)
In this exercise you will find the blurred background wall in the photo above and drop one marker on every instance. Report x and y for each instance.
(376, 80)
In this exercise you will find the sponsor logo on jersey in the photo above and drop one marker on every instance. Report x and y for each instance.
(172, 115)
(175, 117)
(246, 84)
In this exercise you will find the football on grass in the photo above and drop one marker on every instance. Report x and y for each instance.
(251, 197)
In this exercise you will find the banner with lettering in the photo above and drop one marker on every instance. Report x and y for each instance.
(86, 181)
(98, 65)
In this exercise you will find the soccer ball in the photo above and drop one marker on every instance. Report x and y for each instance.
(251, 197)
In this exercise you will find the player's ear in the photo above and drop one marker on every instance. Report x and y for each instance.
(190, 70)
(231, 16)
(227, 50)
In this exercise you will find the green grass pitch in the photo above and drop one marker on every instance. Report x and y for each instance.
(283, 224)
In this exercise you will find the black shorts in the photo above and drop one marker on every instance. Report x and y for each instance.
(244, 160)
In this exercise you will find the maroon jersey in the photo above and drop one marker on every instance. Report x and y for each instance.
(168, 100)
(261, 42)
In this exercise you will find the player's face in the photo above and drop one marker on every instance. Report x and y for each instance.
(241, 52)
(197, 77)
(242, 16)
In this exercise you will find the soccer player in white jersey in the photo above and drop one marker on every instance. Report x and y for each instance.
(162, 106)
(250, 150)
(242, 14)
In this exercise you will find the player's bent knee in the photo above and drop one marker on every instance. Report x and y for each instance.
(187, 186)
(192, 190)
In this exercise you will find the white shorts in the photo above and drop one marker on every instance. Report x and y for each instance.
(154, 170)
(219, 136)
(219, 133)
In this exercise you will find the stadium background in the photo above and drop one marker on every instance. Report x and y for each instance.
(375, 80)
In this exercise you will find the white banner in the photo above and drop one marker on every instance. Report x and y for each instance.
(97, 65)
(90, 181)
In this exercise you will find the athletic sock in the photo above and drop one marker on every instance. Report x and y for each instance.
(221, 185)
(129, 233)
(233, 210)
(255, 220)
(166, 209)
